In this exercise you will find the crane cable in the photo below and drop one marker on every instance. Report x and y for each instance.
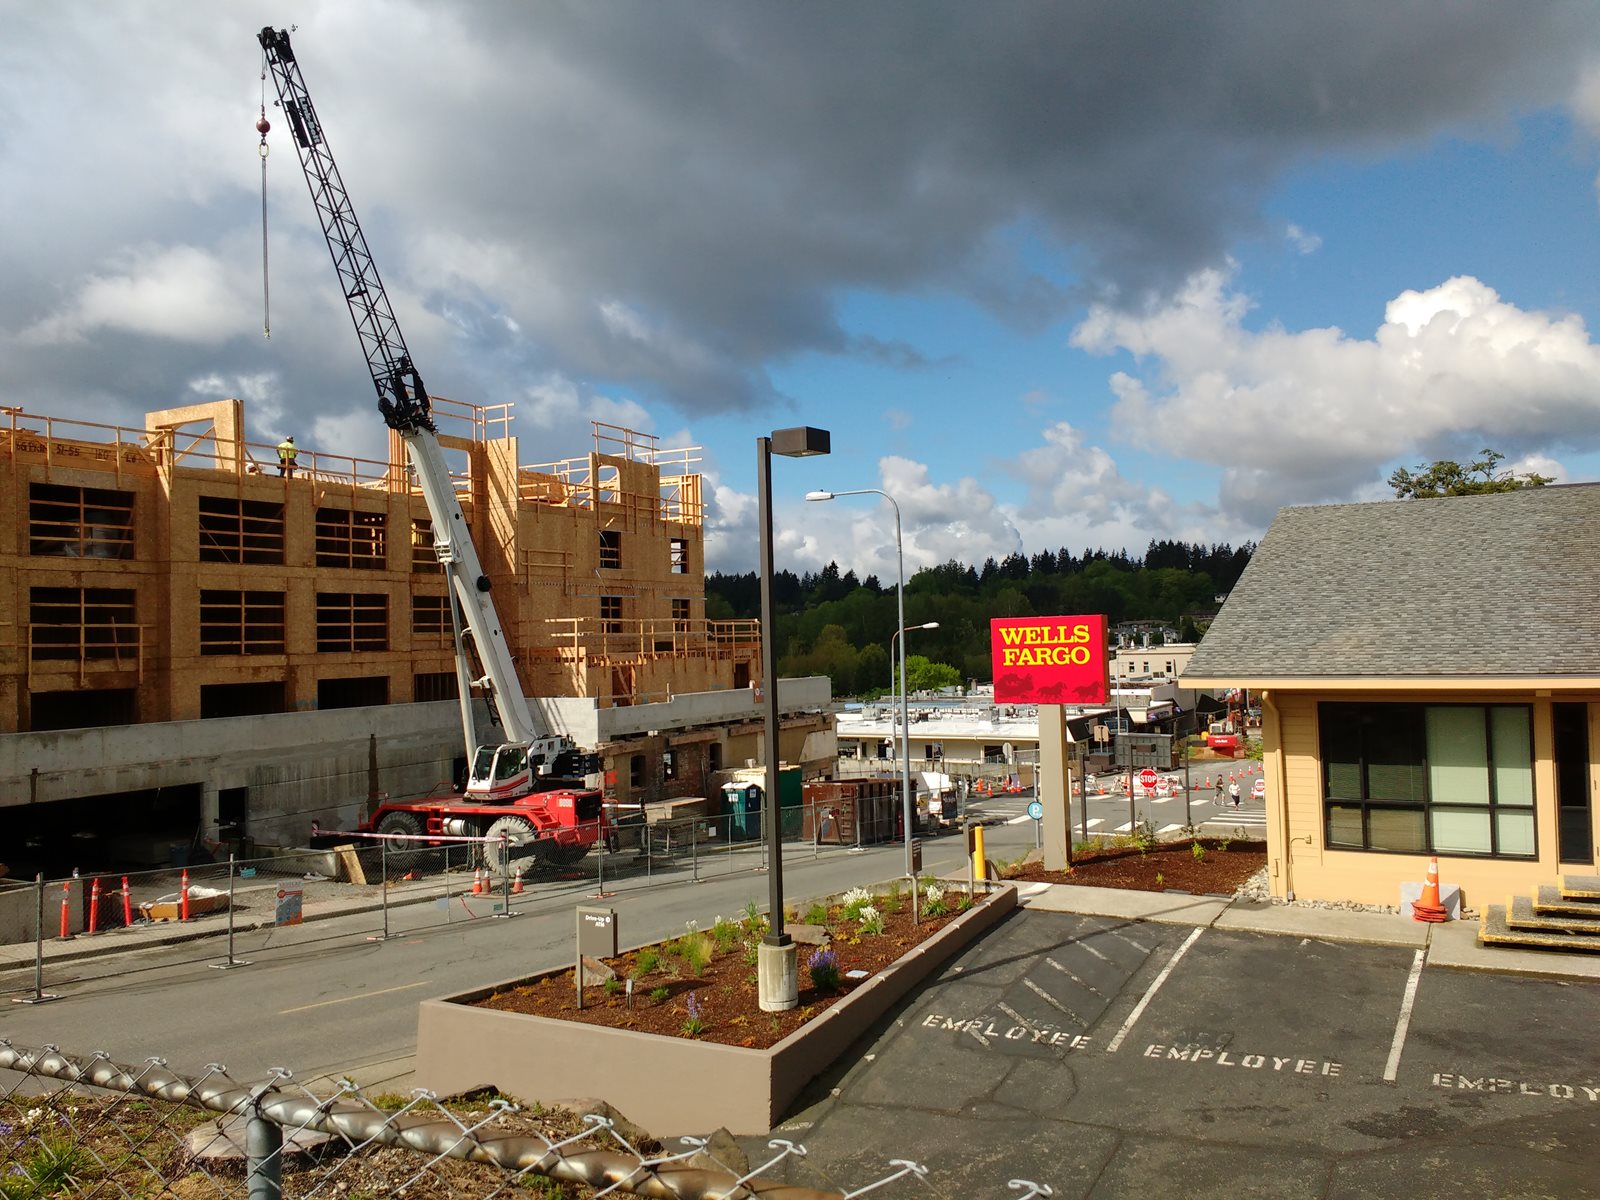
(262, 125)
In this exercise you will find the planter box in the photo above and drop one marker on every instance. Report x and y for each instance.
(667, 1084)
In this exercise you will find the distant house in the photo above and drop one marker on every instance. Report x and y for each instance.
(1429, 673)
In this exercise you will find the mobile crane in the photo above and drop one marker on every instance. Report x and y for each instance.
(516, 791)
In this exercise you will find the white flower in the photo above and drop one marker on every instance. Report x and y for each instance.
(692, 926)
(857, 895)
(933, 893)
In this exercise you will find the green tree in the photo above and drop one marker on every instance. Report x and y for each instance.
(873, 671)
(925, 676)
(1446, 478)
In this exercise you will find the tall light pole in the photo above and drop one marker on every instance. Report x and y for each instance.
(905, 735)
(900, 625)
(777, 971)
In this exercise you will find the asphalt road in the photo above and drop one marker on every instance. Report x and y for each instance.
(323, 1001)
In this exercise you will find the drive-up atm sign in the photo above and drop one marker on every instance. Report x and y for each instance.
(1049, 660)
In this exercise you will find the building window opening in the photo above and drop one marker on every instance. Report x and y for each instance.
(353, 693)
(636, 771)
(424, 557)
(83, 625)
(241, 622)
(241, 699)
(346, 538)
(669, 764)
(430, 617)
(680, 616)
(74, 522)
(434, 685)
(611, 549)
(680, 556)
(351, 621)
(240, 531)
(611, 614)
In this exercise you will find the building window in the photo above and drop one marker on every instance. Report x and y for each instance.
(424, 558)
(240, 699)
(434, 685)
(351, 621)
(351, 539)
(430, 616)
(636, 771)
(241, 622)
(713, 756)
(611, 549)
(680, 616)
(611, 613)
(240, 531)
(82, 624)
(74, 522)
(994, 754)
(1429, 778)
(669, 764)
(680, 556)
(352, 693)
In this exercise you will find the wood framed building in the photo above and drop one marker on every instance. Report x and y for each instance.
(170, 576)
(1429, 672)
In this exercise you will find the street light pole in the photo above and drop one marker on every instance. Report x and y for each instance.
(906, 808)
(777, 972)
(905, 722)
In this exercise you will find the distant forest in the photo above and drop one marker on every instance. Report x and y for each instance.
(832, 623)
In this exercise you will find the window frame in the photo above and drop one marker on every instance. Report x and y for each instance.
(610, 545)
(1410, 719)
(66, 521)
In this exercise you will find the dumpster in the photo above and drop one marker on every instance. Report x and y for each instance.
(741, 805)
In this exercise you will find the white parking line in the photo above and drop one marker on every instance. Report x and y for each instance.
(1404, 1023)
(1138, 1010)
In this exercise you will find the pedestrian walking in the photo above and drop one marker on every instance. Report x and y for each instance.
(287, 453)
(1219, 789)
(1233, 792)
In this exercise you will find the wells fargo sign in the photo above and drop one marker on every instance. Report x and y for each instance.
(1049, 660)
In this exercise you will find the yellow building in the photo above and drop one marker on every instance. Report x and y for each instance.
(1429, 673)
(172, 580)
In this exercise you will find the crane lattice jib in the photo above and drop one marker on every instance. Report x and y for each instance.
(402, 398)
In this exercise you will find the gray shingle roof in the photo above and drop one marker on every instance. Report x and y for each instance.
(1499, 585)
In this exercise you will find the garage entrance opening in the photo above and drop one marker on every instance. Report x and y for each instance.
(121, 831)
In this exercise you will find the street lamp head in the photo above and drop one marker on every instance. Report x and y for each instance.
(802, 441)
(819, 495)
(929, 625)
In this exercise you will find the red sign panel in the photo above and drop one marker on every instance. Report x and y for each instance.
(1148, 778)
(1049, 660)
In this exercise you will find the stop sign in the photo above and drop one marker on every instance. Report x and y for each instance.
(1147, 777)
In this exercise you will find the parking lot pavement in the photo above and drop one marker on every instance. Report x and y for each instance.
(1108, 1057)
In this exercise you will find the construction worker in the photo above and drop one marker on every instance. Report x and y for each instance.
(287, 453)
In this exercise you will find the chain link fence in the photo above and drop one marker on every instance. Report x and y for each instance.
(227, 913)
(89, 1127)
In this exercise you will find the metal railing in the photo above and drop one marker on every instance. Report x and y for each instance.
(231, 913)
(89, 1126)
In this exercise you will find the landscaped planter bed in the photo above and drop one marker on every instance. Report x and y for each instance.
(1221, 867)
(680, 1080)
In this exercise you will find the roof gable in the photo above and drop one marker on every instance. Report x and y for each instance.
(1495, 585)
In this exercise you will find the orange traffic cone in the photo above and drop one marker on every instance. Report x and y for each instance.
(1428, 908)
(516, 882)
(477, 882)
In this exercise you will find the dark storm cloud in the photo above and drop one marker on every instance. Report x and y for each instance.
(668, 199)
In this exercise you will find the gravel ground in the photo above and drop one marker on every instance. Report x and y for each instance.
(1255, 888)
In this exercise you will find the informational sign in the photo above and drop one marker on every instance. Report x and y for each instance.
(916, 855)
(1049, 660)
(1036, 810)
(597, 932)
(290, 910)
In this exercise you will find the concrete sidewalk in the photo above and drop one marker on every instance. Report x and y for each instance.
(1451, 944)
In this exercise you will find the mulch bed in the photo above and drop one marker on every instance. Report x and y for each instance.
(1169, 867)
(723, 989)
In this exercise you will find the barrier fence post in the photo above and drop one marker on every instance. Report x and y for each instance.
(232, 961)
(263, 1147)
(127, 905)
(40, 996)
(383, 877)
(694, 852)
(505, 874)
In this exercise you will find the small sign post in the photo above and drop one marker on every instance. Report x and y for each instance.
(597, 938)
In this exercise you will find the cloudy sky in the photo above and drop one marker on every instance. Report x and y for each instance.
(1052, 274)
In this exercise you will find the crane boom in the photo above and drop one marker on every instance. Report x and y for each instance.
(403, 401)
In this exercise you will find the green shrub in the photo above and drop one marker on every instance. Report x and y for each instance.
(646, 961)
(659, 995)
(1199, 851)
(725, 934)
(817, 914)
